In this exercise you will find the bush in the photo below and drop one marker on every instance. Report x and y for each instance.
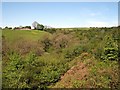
(75, 52)
(12, 71)
(46, 43)
(50, 30)
(110, 50)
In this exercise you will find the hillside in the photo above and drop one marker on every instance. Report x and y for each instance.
(15, 35)
(61, 59)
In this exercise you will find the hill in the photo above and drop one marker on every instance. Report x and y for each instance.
(62, 59)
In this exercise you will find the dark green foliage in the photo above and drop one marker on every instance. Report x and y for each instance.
(40, 27)
(50, 30)
(110, 49)
(10, 28)
(6, 27)
(27, 27)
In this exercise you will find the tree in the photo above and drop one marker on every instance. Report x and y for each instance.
(9, 27)
(6, 27)
(40, 27)
(28, 27)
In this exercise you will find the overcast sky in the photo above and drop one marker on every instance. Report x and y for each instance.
(60, 14)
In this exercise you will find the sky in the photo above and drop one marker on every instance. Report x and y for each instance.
(60, 0)
(60, 14)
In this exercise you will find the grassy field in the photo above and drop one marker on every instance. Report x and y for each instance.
(61, 59)
(15, 35)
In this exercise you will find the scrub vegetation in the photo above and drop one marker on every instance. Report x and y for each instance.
(61, 58)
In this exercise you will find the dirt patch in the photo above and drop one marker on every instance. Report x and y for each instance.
(77, 72)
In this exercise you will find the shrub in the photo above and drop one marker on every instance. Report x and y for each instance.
(110, 50)
(46, 42)
(75, 52)
(24, 47)
(11, 73)
(5, 47)
(50, 30)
